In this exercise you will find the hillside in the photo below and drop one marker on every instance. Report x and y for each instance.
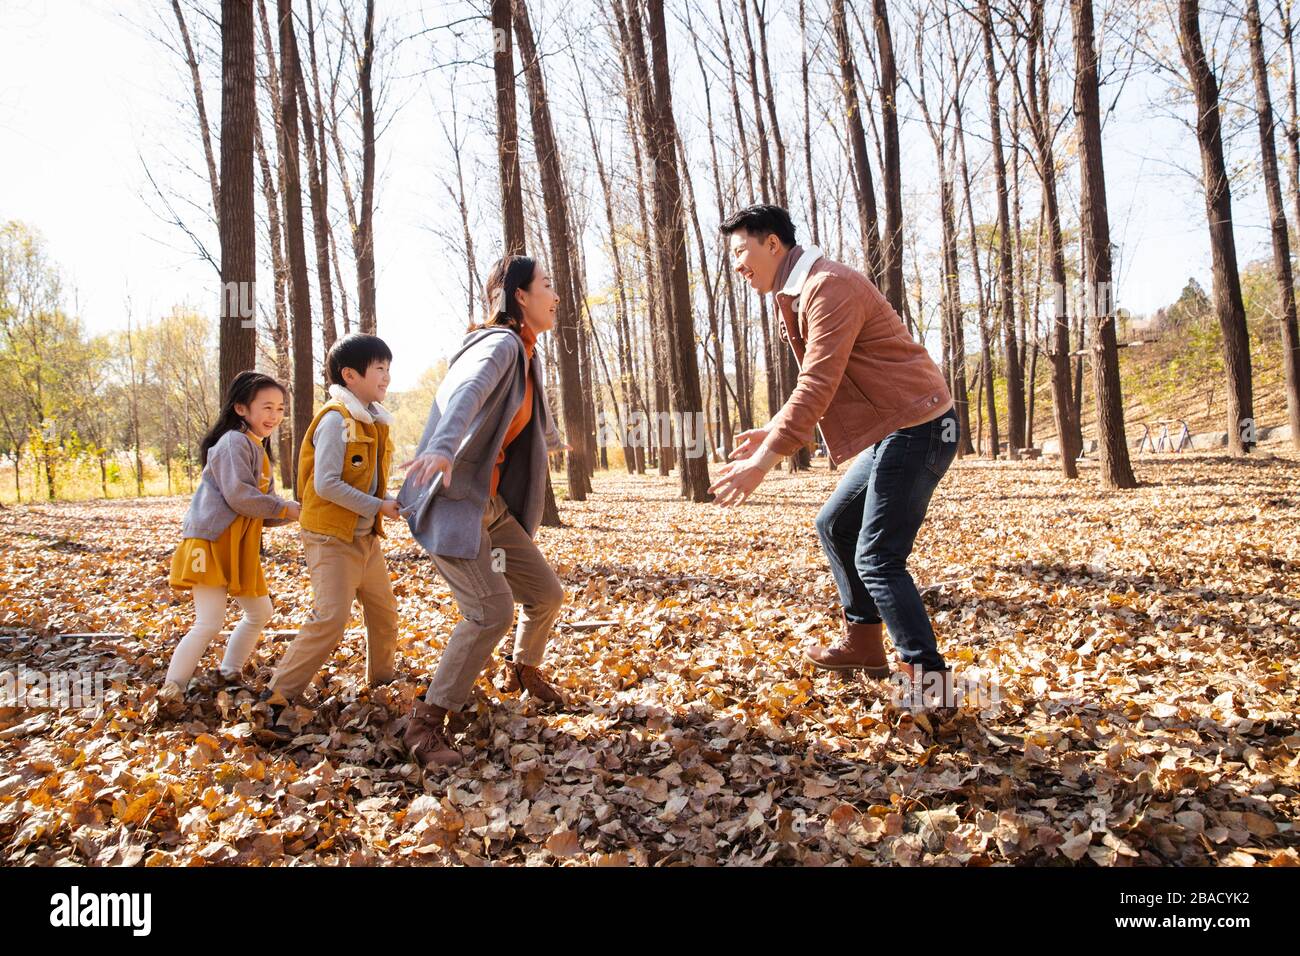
(1179, 375)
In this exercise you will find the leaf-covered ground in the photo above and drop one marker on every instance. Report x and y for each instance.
(1143, 645)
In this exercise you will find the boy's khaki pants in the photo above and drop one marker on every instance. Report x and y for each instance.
(508, 569)
(341, 570)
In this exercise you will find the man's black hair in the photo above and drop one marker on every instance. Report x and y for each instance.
(761, 220)
(358, 352)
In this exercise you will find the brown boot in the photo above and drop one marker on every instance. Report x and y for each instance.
(508, 679)
(531, 679)
(426, 737)
(860, 647)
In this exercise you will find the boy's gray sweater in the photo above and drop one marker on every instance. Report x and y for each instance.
(229, 487)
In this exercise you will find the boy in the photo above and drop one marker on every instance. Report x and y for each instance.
(343, 469)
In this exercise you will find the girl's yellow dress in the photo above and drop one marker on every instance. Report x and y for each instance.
(234, 560)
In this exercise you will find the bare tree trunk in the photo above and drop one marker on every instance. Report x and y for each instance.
(1293, 103)
(1218, 206)
(626, 382)
(317, 187)
(366, 217)
(780, 190)
(340, 285)
(807, 127)
(765, 184)
(283, 367)
(349, 201)
(865, 187)
(205, 132)
(586, 367)
(1080, 330)
(503, 68)
(1033, 340)
(710, 297)
(670, 228)
(986, 356)
(744, 377)
(640, 118)
(136, 383)
(892, 239)
(784, 362)
(1112, 448)
(952, 321)
(1006, 294)
(1277, 222)
(299, 291)
(1038, 106)
(472, 281)
(945, 156)
(740, 317)
(238, 336)
(557, 223)
(774, 353)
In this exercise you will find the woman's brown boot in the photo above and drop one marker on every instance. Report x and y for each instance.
(860, 647)
(530, 678)
(426, 737)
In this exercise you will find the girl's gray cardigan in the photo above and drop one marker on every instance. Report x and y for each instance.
(467, 424)
(229, 487)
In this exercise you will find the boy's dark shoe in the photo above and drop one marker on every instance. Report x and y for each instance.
(426, 737)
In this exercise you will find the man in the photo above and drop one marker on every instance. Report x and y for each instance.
(878, 395)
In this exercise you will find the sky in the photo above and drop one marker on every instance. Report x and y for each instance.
(88, 99)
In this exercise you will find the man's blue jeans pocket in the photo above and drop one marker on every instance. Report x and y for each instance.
(944, 434)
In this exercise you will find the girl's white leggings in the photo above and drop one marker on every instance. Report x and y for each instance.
(209, 616)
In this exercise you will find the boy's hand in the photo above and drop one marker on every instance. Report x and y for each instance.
(389, 509)
(293, 511)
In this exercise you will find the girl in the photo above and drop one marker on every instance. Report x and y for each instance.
(220, 555)
(474, 496)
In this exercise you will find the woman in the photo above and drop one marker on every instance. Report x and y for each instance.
(473, 498)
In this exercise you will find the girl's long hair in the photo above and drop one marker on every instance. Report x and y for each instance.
(243, 389)
(507, 277)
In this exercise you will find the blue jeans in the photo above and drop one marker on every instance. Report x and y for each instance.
(869, 525)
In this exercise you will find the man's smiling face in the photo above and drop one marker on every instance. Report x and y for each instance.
(757, 258)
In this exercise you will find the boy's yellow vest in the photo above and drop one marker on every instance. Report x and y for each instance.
(367, 448)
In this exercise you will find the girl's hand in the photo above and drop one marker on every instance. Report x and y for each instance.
(425, 468)
(293, 511)
(389, 509)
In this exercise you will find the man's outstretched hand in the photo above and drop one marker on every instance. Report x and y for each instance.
(751, 461)
(748, 442)
(737, 481)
